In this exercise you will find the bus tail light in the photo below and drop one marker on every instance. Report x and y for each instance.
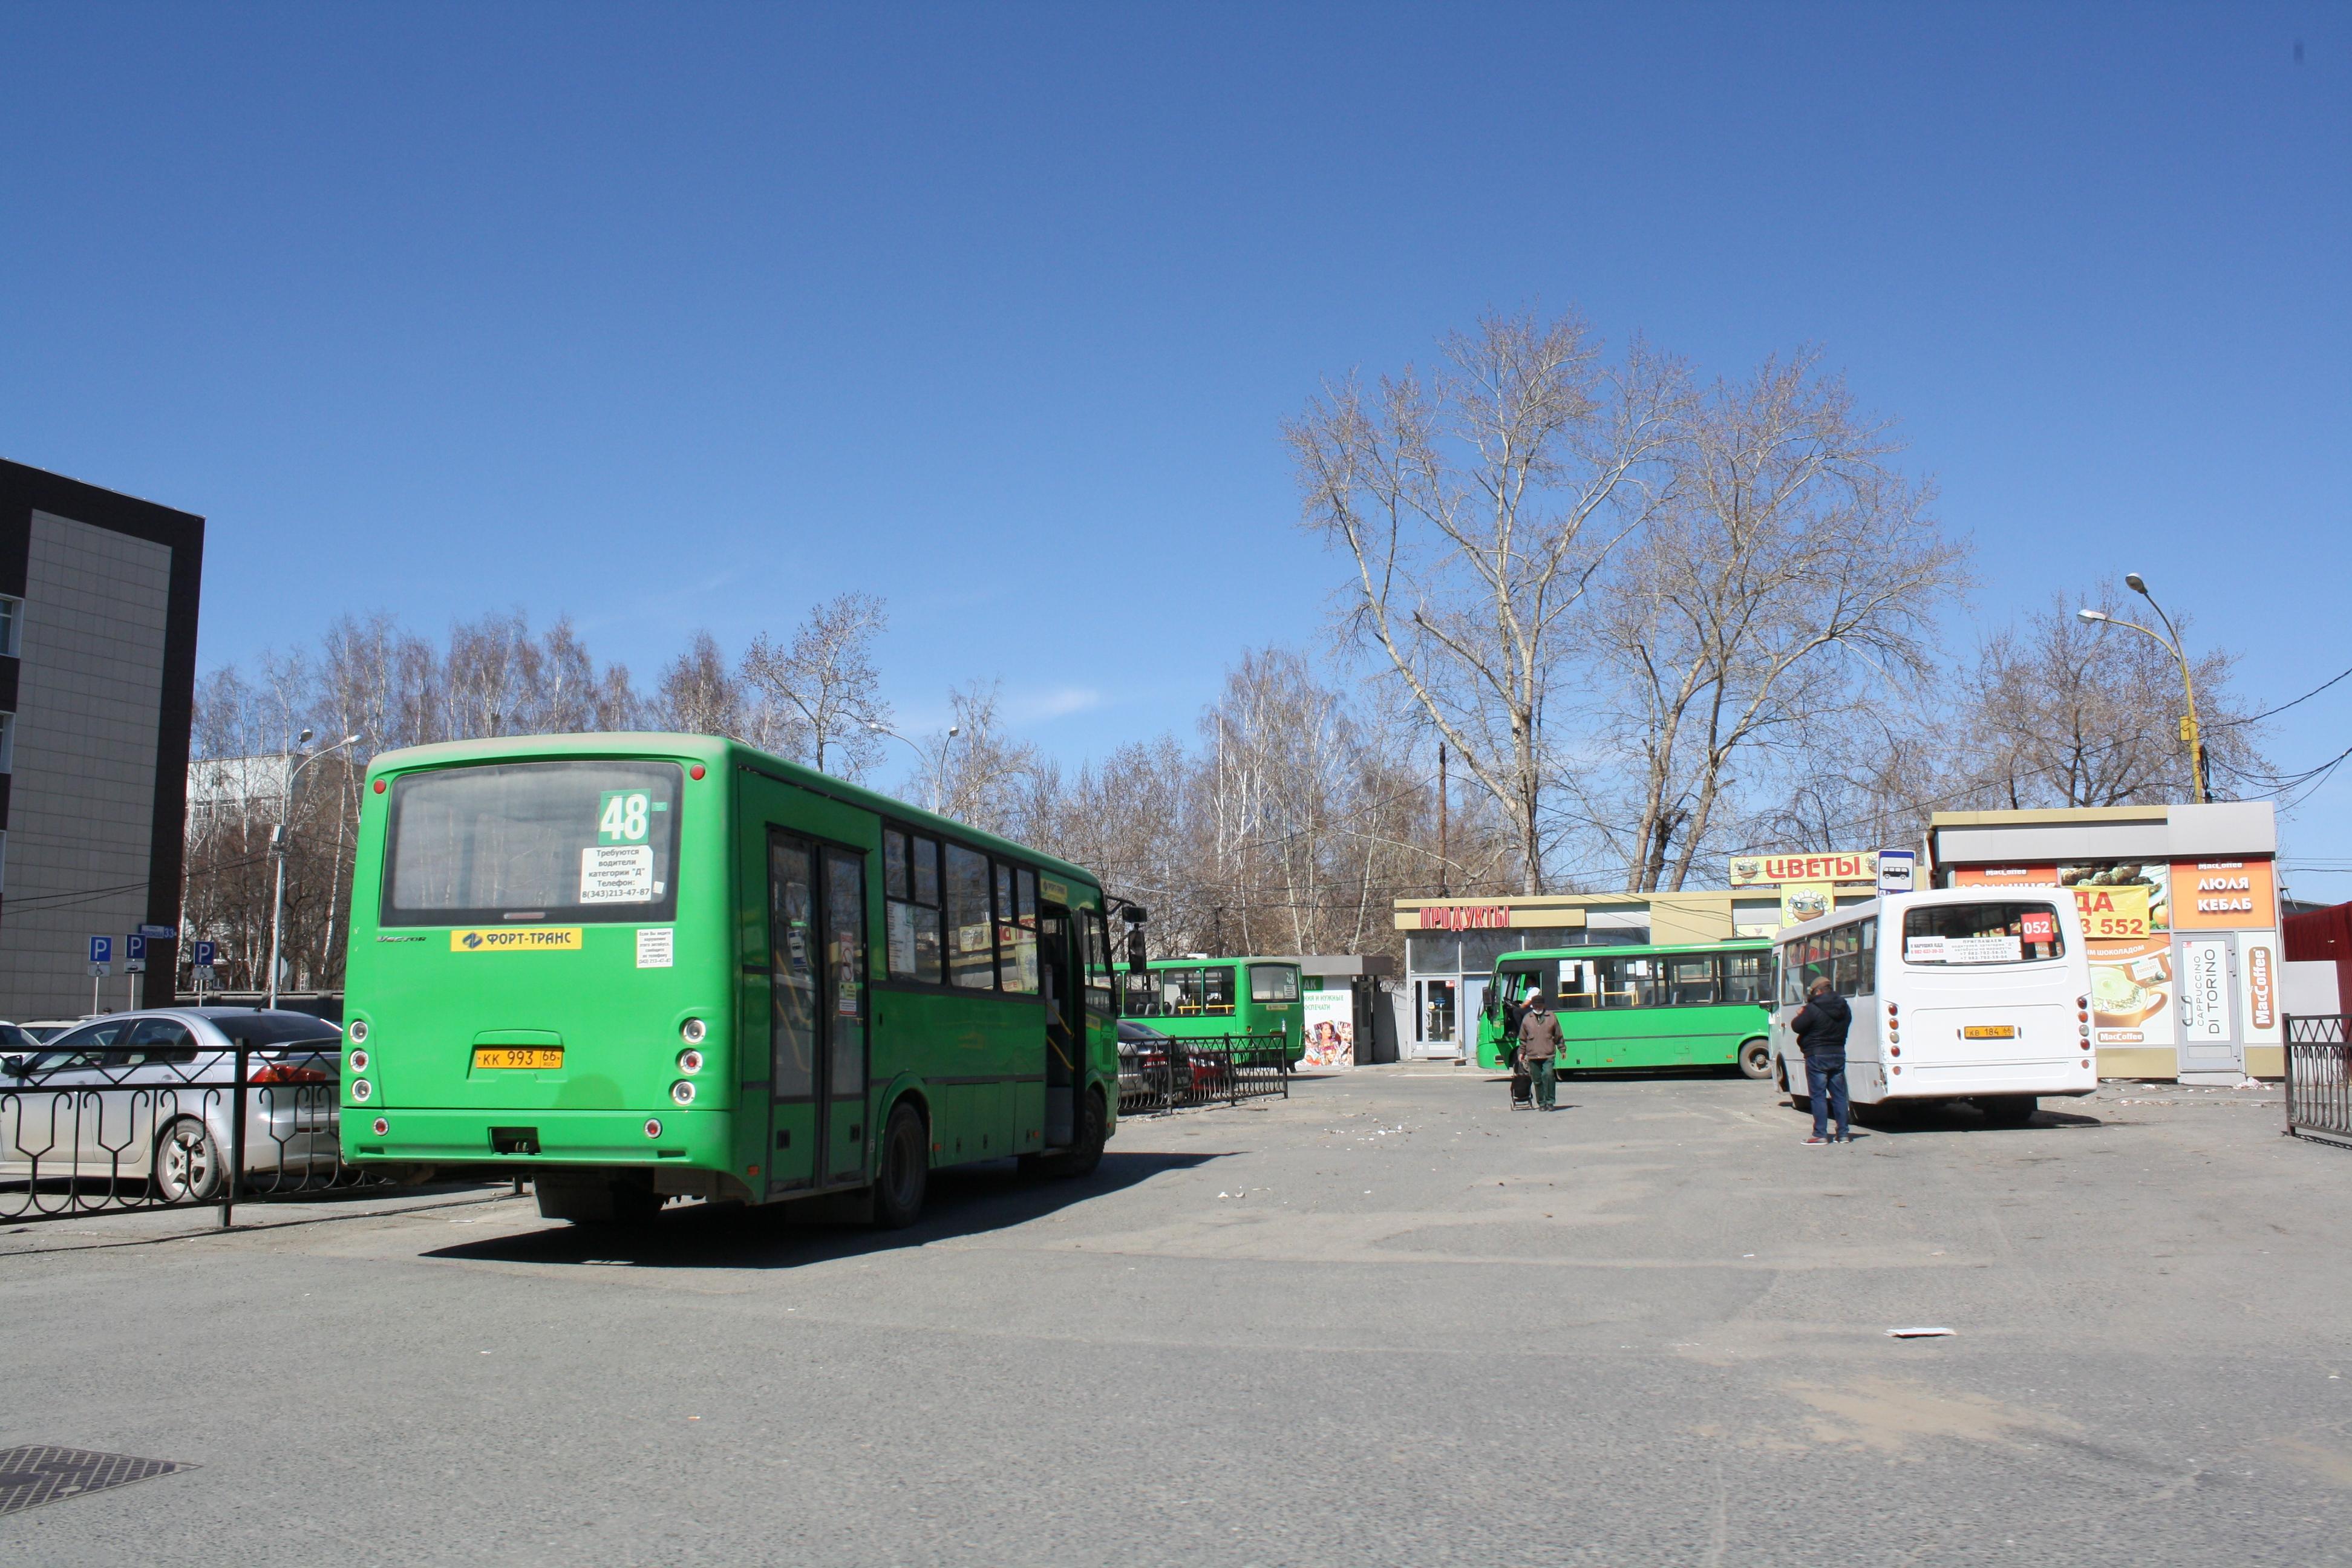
(2081, 1001)
(692, 1031)
(1894, 1050)
(653, 1127)
(359, 1031)
(682, 1092)
(382, 1127)
(690, 1062)
(1890, 1009)
(362, 1091)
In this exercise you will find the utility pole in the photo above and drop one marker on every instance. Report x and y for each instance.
(1441, 848)
(2191, 740)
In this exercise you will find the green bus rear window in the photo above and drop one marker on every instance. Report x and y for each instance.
(574, 841)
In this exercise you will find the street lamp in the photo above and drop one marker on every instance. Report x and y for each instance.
(939, 771)
(2189, 736)
(277, 846)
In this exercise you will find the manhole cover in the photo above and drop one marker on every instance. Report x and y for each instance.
(38, 1473)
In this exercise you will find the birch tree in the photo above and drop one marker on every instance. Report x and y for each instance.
(824, 686)
(1478, 507)
(1794, 572)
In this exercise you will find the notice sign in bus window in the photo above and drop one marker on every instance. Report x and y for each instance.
(617, 874)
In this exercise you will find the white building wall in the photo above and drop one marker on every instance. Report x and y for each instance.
(81, 804)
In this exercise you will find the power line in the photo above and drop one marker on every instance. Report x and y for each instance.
(2225, 723)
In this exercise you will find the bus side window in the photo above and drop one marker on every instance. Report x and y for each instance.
(1744, 976)
(1218, 996)
(1098, 973)
(1845, 970)
(1692, 982)
(1576, 986)
(1868, 983)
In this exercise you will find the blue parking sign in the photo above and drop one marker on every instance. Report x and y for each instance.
(134, 954)
(204, 952)
(101, 949)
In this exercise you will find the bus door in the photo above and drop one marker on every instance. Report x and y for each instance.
(1057, 965)
(816, 969)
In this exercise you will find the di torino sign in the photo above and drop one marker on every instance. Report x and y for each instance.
(1771, 871)
(1466, 917)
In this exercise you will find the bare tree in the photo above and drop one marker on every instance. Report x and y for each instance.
(1477, 508)
(824, 688)
(1793, 569)
(2065, 713)
(985, 777)
(698, 695)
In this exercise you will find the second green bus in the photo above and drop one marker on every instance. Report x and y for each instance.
(1625, 1009)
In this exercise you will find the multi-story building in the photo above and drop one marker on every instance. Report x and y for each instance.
(97, 670)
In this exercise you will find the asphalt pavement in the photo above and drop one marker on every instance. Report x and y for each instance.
(1388, 1321)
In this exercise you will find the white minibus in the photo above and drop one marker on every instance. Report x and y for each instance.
(1958, 994)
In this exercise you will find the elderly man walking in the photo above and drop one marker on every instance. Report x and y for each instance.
(1539, 1043)
(1820, 1026)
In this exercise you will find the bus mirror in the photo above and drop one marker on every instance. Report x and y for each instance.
(1136, 963)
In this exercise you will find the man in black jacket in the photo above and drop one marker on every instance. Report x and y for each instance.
(1820, 1027)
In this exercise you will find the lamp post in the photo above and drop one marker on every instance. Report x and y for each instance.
(938, 769)
(277, 846)
(2189, 735)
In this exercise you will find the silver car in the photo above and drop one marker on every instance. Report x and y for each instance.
(149, 1096)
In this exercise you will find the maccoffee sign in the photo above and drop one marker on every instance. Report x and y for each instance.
(2261, 999)
(1770, 870)
(1466, 917)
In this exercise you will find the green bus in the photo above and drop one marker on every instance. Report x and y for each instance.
(1702, 1005)
(639, 966)
(1212, 998)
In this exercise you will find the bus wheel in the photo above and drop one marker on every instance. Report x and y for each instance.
(2009, 1110)
(1756, 1059)
(905, 1170)
(1094, 1130)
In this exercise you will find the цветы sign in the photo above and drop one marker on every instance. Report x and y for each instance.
(1762, 870)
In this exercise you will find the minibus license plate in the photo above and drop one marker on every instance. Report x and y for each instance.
(1990, 1031)
(518, 1057)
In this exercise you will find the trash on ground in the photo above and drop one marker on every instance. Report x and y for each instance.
(1920, 1334)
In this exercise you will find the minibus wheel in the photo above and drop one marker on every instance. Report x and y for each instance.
(905, 1172)
(1086, 1151)
(1756, 1059)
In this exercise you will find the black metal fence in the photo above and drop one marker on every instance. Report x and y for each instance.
(2319, 1077)
(109, 1130)
(1168, 1074)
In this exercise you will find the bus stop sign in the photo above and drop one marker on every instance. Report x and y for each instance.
(1894, 870)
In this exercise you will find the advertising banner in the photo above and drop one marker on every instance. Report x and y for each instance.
(1803, 901)
(1330, 1018)
(2224, 894)
(1764, 870)
(2126, 908)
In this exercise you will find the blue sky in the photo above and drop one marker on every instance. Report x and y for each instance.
(689, 317)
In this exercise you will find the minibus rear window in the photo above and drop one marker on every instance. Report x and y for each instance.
(569, 842)
(1995, 932)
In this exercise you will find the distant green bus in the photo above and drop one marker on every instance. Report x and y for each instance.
(639, 966)
(1705, 1004)
(1214, 998)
